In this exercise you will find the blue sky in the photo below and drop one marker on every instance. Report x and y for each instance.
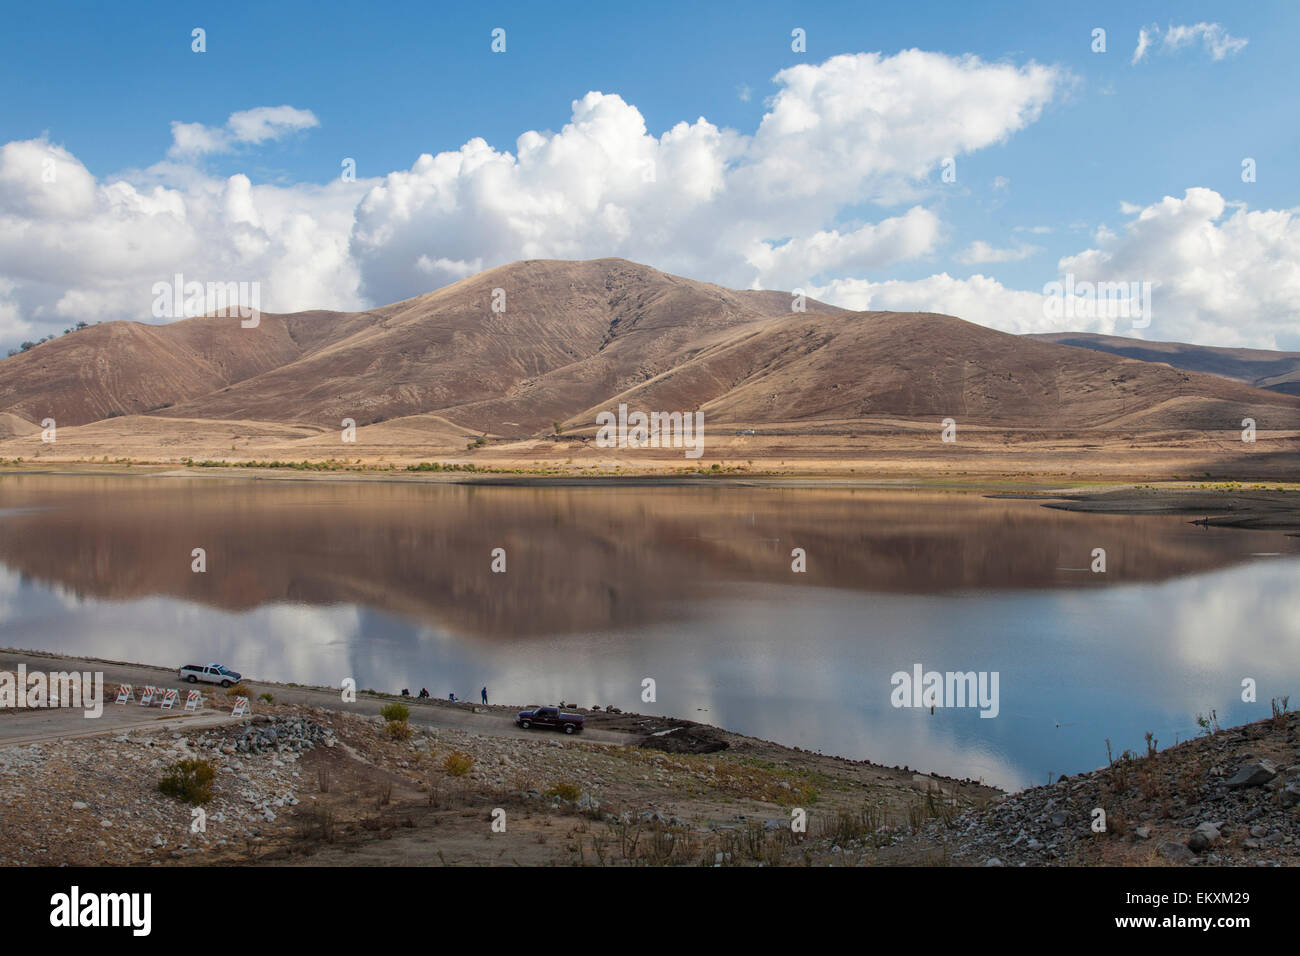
(1084, 146)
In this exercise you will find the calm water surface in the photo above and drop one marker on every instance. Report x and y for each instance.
(391, 584)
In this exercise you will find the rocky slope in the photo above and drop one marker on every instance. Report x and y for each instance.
(1229, 798)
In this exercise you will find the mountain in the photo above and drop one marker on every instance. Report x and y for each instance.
(575, 338)
(1276, 371)
(571, 334)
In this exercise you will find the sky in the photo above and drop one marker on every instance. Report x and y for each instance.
(945, 157)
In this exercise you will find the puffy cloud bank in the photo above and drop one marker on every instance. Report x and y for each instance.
(1221, 277)
(780, 207)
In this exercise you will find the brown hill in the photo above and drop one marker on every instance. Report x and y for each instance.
(920, 365)
(578, 337)
(125, 368)
(572, 334)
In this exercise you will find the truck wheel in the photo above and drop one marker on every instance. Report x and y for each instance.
(524, 724)
(192, 679)
(568, 728)
(225, 683)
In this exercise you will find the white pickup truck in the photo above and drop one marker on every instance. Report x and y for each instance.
(209, 674)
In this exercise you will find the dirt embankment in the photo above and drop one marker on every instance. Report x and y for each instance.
(308, 786)
(301, 783)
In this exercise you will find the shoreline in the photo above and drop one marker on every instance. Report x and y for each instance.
(296, 784)
(1273, 505)
(659, 732)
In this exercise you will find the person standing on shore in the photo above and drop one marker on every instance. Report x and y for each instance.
(484, 693)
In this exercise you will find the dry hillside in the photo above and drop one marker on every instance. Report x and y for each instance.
(578, 337)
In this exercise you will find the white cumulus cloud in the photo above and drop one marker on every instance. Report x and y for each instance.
(191, 140)
(73, 248)
(1216, 40)
(787, 205)
(758, 210)
(780, 206)
(1217, 278)
(979, 252)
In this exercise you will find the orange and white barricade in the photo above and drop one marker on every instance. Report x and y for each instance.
(193, 700)
(125, 693)
(147, 695)
(169, 698)
(241, 707)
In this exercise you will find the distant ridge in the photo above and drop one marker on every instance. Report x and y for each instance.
(1276, 371)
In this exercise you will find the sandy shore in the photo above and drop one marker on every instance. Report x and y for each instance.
(885, 449)
(1272, 504)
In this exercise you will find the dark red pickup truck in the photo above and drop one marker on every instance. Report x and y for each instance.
(551, 717)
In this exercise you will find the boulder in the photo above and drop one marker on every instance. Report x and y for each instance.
(1252, 775)
(1203, 837)
(1175, 852)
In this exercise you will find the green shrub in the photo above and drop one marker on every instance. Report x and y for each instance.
(189, 780)
(565, 791)
(267, 696)
(458, 763)
(237, 690)
(395, 712)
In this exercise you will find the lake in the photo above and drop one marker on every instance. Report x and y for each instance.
(604, 586)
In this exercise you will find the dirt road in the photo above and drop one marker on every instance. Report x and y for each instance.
(23, 726)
